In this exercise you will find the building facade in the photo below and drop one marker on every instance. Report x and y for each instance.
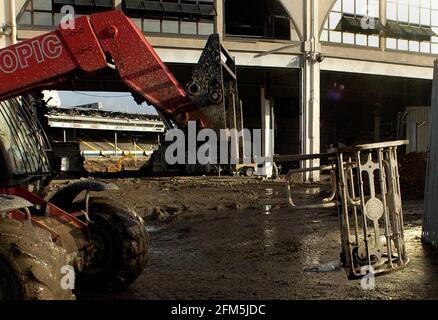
(317, 71)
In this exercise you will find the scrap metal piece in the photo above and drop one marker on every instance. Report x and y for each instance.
(366, 186)
(10, 203)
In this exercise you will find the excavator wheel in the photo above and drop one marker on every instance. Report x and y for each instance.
(30, 264)
(121, 246)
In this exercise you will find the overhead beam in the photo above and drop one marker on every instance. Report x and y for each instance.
(248, 59)
(376, 68)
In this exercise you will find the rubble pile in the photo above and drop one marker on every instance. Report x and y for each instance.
(412, 169)
(102, 164)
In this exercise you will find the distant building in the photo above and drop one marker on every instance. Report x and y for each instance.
(102, 132)
(93, 106)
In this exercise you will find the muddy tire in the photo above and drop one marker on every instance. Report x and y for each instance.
(30, 264)
(121, 243)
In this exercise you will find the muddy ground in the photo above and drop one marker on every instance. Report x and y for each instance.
(235, 238)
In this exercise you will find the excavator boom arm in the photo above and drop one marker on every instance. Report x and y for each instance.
(94, 43)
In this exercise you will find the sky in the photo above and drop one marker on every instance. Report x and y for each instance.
(111, 101)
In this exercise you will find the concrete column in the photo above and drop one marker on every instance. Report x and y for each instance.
(383, 20)
(267, 135)
(220, 18)
(13, 22)
(412, 129)
(115, 143)
(310, 90)
(273, 126)
(117, 4)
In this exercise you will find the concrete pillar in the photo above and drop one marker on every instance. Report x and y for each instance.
(383, 20)
(115, 143)
(310, 90)
(273, 126)
(267, 135)
(430, 227)
(13, 6)
(9, 9)
(220, 18)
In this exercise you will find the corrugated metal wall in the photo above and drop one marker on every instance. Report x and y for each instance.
(417, 128)
(430, 228)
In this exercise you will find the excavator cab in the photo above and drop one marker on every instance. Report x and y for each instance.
(23, 144)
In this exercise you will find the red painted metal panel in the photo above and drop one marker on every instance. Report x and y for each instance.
(50, 209)
(137, 62)
(47, 59)
(32, 62)
(83, 44)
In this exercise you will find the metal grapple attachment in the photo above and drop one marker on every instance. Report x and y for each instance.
(365, 188)
(213, 88)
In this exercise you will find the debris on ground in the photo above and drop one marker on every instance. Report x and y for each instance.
(326, 267)
(162, 214)
(166, 199)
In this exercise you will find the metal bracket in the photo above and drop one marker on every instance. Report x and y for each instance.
(365, 183)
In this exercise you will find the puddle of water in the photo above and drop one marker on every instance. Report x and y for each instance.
(325, 267)
(269, 235)
(268, 207)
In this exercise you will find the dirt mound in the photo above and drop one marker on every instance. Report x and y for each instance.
(103, 164)
(412, 169)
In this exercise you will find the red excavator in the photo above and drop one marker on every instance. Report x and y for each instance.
(76, 241)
